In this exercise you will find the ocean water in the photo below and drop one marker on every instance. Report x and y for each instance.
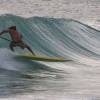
(78, 79)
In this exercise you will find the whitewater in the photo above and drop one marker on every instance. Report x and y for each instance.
(78, 79)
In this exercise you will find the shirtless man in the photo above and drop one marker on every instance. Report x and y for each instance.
(16, 39)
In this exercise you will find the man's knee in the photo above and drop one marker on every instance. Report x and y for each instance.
(12, 48)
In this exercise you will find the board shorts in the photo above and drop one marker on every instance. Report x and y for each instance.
(14, 44)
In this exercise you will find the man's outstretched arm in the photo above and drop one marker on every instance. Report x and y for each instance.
(5, 31)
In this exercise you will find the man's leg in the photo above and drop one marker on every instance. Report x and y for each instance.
(24, 45)
(12, 45)
(30, 49)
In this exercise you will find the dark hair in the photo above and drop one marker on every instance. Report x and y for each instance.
(12, 27)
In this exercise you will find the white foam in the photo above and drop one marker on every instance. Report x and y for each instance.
(2, 11)
(7, 60)
(61, 8)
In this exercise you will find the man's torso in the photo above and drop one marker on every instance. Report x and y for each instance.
(16, 36)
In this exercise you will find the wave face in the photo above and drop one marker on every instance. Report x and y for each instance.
(55, 37)
(51, 37)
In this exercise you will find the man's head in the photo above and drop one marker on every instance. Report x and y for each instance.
(12, 27)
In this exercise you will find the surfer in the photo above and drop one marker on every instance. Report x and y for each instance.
(16, 39)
